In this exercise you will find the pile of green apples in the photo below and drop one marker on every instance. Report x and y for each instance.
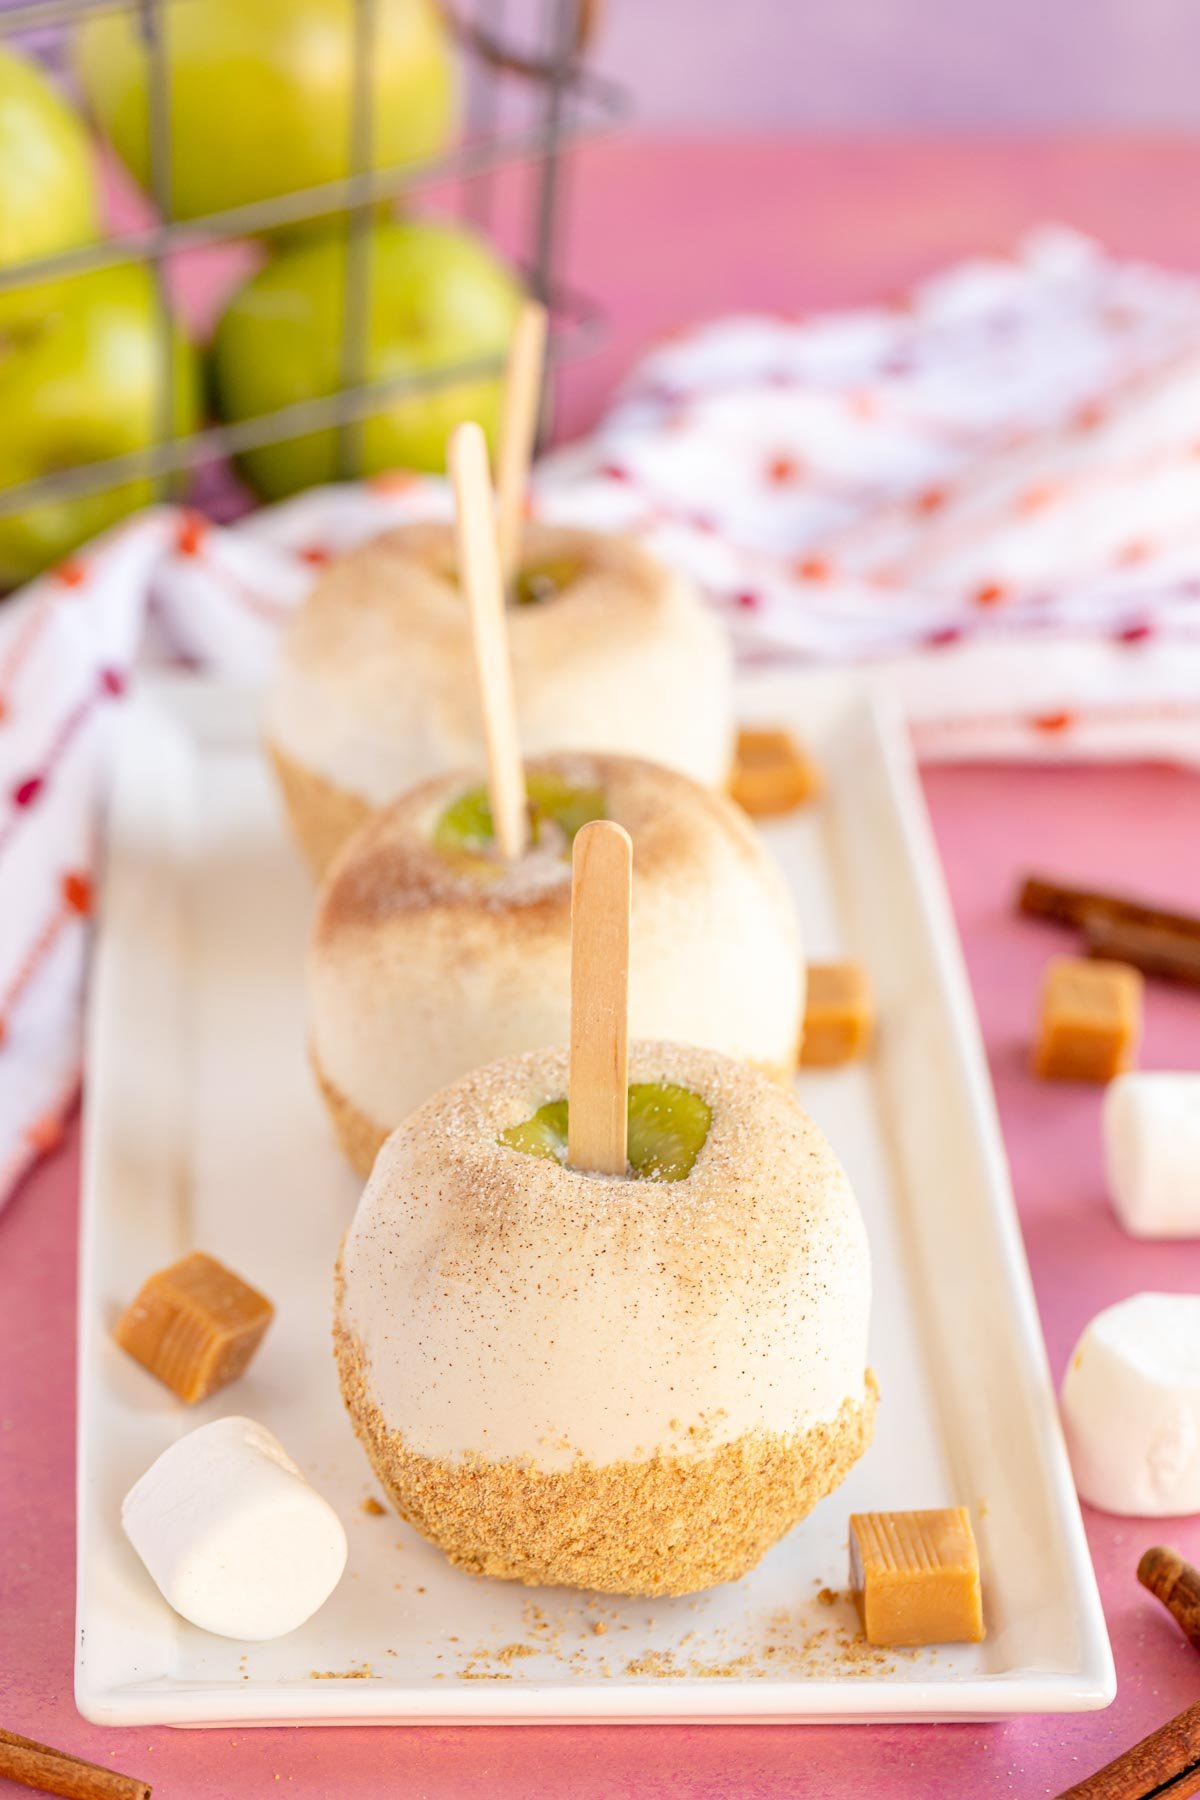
(260, 105)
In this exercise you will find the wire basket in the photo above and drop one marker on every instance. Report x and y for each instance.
(563, 101)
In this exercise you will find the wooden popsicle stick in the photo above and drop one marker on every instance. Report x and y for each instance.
(518, 429)
(479, 574)
(598, 1072)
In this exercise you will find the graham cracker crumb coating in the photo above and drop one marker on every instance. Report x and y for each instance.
(359, 1138)
(665, 1526)
(322, 817)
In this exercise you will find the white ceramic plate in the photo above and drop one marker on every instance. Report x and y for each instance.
(203, 1129)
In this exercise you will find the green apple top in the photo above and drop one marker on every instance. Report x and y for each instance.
(260, 93)
(48, 199)
(537, 582)
(668, 1126)
(558, 809)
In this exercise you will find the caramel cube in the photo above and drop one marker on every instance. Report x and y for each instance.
(195, 1325)
(772, 774)
(838, 1016)
(915, 1577)
(1091, 1019)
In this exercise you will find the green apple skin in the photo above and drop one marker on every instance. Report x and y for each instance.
(260, 93)
(80, 377)
(48, 195)
(438, 296)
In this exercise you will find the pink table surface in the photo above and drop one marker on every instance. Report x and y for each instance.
(670, 232)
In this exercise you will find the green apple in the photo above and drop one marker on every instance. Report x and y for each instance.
(438, 295)
(260, 93)
(48, 199)
(556, 808)
(80, 377)
(668, 1128)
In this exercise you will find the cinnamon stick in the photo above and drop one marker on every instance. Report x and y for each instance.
(1166, 1764)
(1040, 898)
(1155, 949)
(1166, 1575)
(55, 1772)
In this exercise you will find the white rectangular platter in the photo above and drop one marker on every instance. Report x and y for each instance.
(203, 1130)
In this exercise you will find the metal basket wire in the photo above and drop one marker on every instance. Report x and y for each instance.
(568, 101)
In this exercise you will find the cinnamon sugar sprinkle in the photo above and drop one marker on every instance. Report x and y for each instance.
(395, 870)
(361, 1139)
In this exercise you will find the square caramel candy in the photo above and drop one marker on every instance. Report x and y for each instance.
(915, 1577)
(771, 773)
(838, 1015)
(195, 1325)
(1091, 1019)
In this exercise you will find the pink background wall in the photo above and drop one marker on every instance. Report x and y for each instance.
(904, 64)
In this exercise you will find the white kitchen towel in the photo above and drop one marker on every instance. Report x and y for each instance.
(990, 491)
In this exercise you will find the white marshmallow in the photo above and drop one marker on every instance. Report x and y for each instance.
(1131, 1407)
(234, 1536)
(1152, 1148)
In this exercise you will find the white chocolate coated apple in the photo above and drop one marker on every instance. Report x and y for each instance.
(629, 1385)
(376, 688)
(419, 971)
(511, 1306)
